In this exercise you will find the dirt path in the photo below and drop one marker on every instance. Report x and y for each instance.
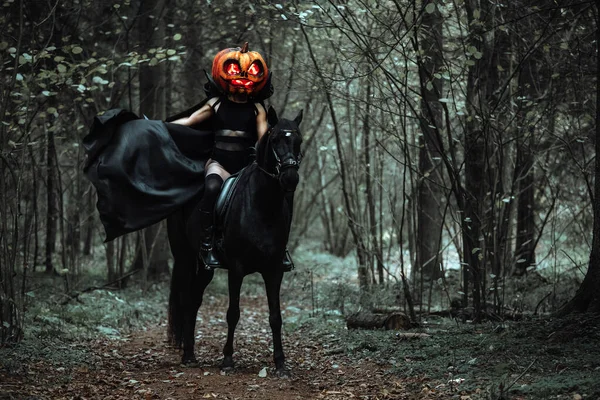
(142, 366)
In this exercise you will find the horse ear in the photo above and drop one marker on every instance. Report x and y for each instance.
(298, 118)
(272, 116)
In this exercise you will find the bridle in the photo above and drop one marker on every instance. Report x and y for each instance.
(280, 165)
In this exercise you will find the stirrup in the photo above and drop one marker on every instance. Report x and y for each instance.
(287, 263)
(208, 258)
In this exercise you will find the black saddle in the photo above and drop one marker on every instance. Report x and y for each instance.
(224, 200)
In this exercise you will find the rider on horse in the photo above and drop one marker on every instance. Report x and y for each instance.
(239, 120)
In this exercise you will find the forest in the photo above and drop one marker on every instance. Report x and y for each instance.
(448, 182)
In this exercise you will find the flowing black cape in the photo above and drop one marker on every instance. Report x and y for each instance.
(143, 170)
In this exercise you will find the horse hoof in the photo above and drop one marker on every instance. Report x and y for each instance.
(283, 373)
(226, 370)
(189, 362)
(227, 365)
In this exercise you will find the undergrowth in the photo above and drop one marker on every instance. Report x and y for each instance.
(534, 358)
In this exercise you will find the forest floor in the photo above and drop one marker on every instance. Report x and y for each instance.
(111, 345)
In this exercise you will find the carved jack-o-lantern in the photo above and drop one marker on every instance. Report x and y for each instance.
(238, 71)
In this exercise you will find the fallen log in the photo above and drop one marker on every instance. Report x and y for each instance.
(411, 335)
(386, 310)
(367, 320)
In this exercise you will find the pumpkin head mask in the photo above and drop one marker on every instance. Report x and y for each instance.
(238, 71)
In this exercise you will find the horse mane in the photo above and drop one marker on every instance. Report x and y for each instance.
(261, 147)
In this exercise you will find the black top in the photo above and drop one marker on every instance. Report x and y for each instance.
(235, 116)
(234, 125)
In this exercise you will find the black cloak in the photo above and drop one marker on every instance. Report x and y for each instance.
(144, 170)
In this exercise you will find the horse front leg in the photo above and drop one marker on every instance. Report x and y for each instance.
(233, 316)
(273, 280)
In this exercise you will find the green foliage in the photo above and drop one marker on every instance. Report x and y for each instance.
(101, 311)
(52, 328)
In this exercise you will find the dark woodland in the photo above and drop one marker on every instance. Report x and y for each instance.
(446, 223)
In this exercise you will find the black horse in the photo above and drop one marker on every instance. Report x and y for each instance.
(254, 236)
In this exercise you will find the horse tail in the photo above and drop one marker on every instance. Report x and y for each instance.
(182, 278)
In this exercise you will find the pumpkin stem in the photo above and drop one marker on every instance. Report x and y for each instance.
(244, 48)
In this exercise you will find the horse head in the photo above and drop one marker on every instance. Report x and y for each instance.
(279, 153)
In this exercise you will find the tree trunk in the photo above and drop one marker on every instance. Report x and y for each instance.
(89, 223)
(326, 211)
(169, 43)
(152, 254)
(74, 210)
(500, 210)
(11, 310)
(475, 151)
(110, 261)
(525, 252)
(587, 297)
(122, 256)
(35, 228)
(192, 65)
(376, 252)
(152, 76)
(429, 221)
(51, 201)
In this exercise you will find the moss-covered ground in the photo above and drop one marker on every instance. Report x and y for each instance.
(534, 358)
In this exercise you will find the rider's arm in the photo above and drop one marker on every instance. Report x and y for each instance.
(261, 121)
(202, 114)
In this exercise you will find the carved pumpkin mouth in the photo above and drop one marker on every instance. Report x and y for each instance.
(242, 82)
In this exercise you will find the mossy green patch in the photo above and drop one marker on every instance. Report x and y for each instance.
(534, 359)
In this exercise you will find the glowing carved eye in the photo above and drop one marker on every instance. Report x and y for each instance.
(254, 69)
(232, 69)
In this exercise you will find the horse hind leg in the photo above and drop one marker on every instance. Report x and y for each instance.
(188, 283)
(233, 317)
(191, 302)
(273, 280)
(189, 328)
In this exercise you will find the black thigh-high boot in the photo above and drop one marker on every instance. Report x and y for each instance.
(288, 264)
(205, 220)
